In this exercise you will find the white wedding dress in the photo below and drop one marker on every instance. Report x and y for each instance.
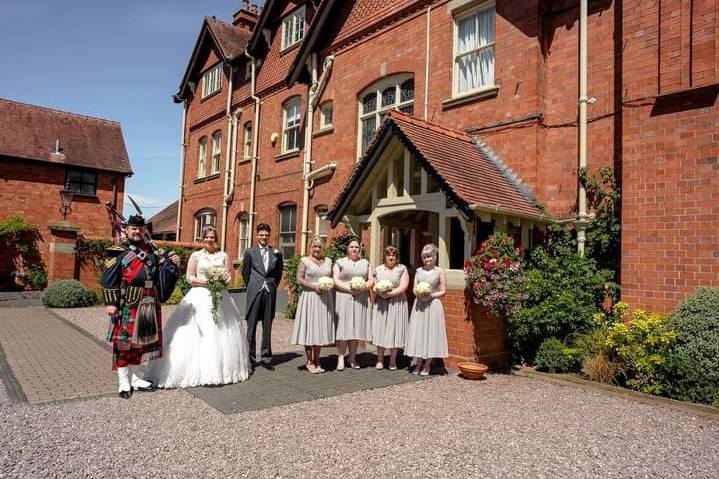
(197, 351)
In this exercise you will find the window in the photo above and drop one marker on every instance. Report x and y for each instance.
(288, 220)
(206, 217)
(291, 125)
(202, 157)
(394, 92)
(81, 182)
(293, 27)
(326, 115)
(216, 151)
(474, 50)
(247, 142)
(212, 80)
(321, 223)
(244, 234)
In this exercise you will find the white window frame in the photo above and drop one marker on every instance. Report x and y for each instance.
(216, 152)
(379, 87)
(244, 235)
(288, 237)
(212, 80)
(204, 217)
(457, 18)
(247, 141)
(293, 28)
(324, 124)
(291, 123)
(201, 157)
(321, 222)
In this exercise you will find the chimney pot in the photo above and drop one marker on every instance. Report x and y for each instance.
(253, 9)
(245, 4)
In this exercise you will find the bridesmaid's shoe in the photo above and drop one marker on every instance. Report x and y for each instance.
(393, 368)
(424, 373)
(320, 369)
(354, 365)
(340, 368)
(379, 366)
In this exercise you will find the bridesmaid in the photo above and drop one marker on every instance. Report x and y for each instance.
(314, 320)
(351, 305)
(390, 312)
(427, 335)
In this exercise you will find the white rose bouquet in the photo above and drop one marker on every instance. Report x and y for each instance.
(358, 283)
(384, 286)
(422, 288)
(217, 280)
(326, 283)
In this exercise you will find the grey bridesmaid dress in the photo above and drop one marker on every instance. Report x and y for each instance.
(352, 310)
(314, 319)
(427, 333)
(390, 316)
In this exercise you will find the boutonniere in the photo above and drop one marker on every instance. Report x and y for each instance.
(276, 252)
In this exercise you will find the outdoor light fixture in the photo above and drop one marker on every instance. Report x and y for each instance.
(66, 199)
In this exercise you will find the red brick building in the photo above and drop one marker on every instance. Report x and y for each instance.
(44, 152)
(300, 89)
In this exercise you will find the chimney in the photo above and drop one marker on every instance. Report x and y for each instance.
(246, 17)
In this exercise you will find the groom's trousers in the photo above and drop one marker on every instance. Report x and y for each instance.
(262, 309)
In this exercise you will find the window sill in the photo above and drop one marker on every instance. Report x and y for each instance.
(323, 131)
(288, 155)
(286, 50)
(244, 160)
(213, 176)
(80, 195)
(469, 97)
(214, 93)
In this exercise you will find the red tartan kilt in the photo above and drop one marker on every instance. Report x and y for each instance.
(135, 355)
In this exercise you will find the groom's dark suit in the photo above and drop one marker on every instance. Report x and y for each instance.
(261, 286)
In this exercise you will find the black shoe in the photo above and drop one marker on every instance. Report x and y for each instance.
(125, 394)
(268, 366)
(148, 389)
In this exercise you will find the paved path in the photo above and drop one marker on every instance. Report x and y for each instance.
(51, 360)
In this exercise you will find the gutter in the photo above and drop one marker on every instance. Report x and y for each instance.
(255, 140)
(183, 150)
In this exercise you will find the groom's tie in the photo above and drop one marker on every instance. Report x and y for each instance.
(265, 257)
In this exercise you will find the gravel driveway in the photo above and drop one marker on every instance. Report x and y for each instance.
(506, 426)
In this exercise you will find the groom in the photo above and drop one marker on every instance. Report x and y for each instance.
(262, 272)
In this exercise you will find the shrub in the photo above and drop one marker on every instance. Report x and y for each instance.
(38, 277)
(599, 360)
(692, 368)
(176, 296)
(293, 286)
(68, 293)
(563, 292)
(555, 357)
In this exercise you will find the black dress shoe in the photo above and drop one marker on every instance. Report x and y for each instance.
(267, 366)
(147, 389)
(125, 394)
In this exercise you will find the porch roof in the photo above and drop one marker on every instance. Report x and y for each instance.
(465, 171)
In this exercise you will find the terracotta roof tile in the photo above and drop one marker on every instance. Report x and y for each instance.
(464, 170)
(230, 39)
(275, 65)
(166, 220)
(30, 132)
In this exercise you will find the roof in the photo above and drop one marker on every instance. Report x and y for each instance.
(229, 39)
(165, 221)
(30, 132)
(465, 170)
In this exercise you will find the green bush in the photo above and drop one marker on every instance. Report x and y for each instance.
(563, 291)
(37, 277)
(293, 286)
(553, 356)
(692, 368)
(68, 293)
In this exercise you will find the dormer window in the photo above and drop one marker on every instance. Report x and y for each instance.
(212, 80)
(293, 28)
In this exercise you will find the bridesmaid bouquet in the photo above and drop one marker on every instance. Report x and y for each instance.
(217, 280)
(422, 288)
(326, 283)
(358, 283)
(384, 286)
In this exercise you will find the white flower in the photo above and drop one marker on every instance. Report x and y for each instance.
(275, 252)
(384, 286)
(422, 288)
(326, 283)
(217, 274)
(358, 283)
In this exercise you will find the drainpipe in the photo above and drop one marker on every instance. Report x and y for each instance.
(581, 223)
(225, 203)
(178, 229)
(426, 66)
(307, 163)
(230, 172)
(255, 140)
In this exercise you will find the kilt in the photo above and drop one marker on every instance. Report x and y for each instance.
(120, 334)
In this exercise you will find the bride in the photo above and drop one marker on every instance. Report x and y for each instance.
(197, 351)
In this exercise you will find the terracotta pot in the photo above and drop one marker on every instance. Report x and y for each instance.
(472, 370)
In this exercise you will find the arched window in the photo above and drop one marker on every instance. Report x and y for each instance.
(244, 234)
(396, 91)
(204, 217)
(291, 121)
(202, 157)
(326, 112)
(288, 229)
(216, 151)
(247, 141)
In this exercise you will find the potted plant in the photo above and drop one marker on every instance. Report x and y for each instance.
(20, 238)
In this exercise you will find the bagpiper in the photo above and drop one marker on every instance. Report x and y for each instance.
(136, 278)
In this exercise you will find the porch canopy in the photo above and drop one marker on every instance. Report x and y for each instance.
(420, 182)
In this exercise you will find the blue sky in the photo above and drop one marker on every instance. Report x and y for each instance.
(120, 60)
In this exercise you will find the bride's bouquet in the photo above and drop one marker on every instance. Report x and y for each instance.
(384, 286)
(217, 280)
(422, 288)
(358, 283)
(326, 283)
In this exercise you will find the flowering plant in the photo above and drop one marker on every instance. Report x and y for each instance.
(358, 283)
(422, 288)
(217, 280)
(383, 286)
(495, 274)
(326, 283)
